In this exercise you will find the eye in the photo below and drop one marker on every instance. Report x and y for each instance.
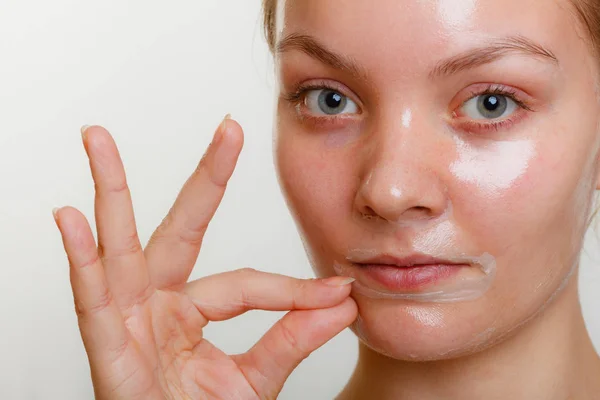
(489, 106)
(329, 102)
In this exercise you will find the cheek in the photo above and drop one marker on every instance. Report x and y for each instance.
(535, 225)
(522, 190)
(317, 180)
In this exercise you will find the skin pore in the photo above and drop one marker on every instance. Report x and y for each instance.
(408, 164)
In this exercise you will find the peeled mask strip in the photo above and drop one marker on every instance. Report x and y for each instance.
(472, 279)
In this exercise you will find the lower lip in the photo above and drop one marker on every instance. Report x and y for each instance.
(409, 278)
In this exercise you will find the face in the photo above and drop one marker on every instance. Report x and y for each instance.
(443, 153)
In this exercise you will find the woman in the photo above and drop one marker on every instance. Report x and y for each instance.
(440, 159)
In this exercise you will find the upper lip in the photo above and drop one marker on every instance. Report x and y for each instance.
(411, 260)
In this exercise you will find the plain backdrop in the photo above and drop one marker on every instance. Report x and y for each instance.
(160, 76)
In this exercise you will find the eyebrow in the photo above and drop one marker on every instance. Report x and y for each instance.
(312, 47)
(467, 60)
(487, 54)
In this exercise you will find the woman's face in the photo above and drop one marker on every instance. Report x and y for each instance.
(464, 130)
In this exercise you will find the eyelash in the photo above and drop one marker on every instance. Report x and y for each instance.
(494, 89)
(296, 98)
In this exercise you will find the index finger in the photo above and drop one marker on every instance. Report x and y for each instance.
(227, 295)
(173, 248)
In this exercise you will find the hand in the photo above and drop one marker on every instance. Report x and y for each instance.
(141, 323)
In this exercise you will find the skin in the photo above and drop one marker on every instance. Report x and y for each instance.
(141, 323)
(400, 160)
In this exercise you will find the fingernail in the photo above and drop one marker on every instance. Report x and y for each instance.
(83, 129)
(55, 213)
(219, 133)
(338, 281)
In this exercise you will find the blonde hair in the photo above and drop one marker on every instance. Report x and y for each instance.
(269, 15)
(589, 13)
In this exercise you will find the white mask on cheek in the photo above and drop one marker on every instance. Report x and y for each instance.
(487, 168)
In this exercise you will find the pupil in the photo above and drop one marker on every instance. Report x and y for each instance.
(333, 100)
(491, 103)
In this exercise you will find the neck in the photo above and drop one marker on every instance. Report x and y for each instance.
(551, 357)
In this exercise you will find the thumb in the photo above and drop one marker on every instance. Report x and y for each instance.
(270, 362)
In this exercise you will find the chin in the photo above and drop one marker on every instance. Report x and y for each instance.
(413, 331)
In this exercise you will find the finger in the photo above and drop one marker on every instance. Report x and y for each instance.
(112, 355)
(100, 320)
(118, 243)
(227, 295)
(271, 361)
(173, 248)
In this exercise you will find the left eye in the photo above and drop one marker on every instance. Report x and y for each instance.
(329, 102)
(489, 106)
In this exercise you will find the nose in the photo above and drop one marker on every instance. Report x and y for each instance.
(400, 178)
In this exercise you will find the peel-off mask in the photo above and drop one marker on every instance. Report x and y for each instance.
(431, 267)
(427, 264)
(430, 262)
(487, 168)
(434, 271)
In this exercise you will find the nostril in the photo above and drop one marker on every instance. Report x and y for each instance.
(369, 213)
(420, 212)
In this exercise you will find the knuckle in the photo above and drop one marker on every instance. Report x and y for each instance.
(101, 303)
(140, 297)
(289, 338)
(130, 244)
(299, 288)
(171, 231)
(118, 187)
(192, 236)
(300, 284)
(79, 309)
(86, 264)
(241, 277)
(245, 300)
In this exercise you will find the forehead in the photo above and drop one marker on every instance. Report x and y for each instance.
(427, 30)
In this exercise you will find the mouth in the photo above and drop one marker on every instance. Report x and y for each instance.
(408, 274)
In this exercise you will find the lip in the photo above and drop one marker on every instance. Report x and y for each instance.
(412, 260)
(409, 273)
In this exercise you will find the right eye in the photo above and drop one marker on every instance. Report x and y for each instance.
(329, 102)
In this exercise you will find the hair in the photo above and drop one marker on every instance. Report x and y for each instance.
(588, 12)
(269, 15)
